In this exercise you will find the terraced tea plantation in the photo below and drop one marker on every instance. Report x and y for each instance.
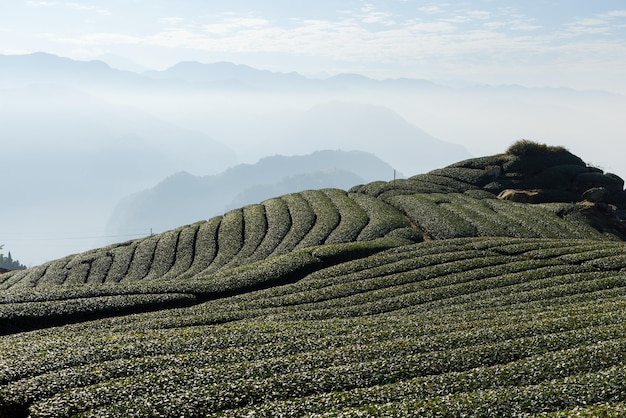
(421, 297)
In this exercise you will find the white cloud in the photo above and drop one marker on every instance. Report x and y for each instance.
(616, 13)
(588, 26)
(171, 20)
(525, 26)
(494, 25)
(69, 5)
(479, 14)
(41, 3)
(599, 24)
(417, 27)
(174, 38)
(442, 38)
(229, 25)
(14, 51)
(345, 40)
(87, 8)
(94, 39)
(431, 9)
(371, 15)
(378, 18)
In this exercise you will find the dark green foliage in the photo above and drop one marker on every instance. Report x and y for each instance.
(327, 218)
(432, 218)
(425, 296)
(587, 180)
(482, 162)
(525, 147)
(352, 217)
(470, 177)
(23, 316)
(301, 219)
(459, 327)
(184, 252)
(254, 231)
(559, 177)
(278, 225)
(7, 262)
(447, 184)
(164, 255)
(479, 194)
(383, 218)
(230, 239)
(142, 259)
(433, 182)
(532, 164)
(122, 255)
(452, 215)
(204, 248)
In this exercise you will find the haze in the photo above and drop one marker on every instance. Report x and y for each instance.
(96, 105)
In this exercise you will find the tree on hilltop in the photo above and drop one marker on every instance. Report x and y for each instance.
(7, 262)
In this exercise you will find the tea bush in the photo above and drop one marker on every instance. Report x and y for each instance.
(417, 297)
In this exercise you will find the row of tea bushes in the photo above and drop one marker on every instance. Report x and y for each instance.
(353, 218)
(421, 362)
(255, 232)
(364, 278)
(453, 215)
(18, 317)
(421, 183)
(24, 309)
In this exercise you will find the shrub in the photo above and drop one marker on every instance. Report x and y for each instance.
(254, 231)
(352, 217)
(525, 147)
(278, 225)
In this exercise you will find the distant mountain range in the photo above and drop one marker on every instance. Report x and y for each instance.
(79, 136)
(64, 131)
(370, 128)
(42, 67)
(69, 156)
(184, 198)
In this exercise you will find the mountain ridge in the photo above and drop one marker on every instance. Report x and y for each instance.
(211, 195)
(224, 73)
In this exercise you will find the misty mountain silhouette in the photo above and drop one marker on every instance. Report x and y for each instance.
(227, 73)
(185, 198)
(73, 155)
(374, 129)
(41, 67)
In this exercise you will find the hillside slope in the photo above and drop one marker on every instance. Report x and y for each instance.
(427, 296)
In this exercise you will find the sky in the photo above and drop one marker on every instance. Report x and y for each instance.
(579, 44)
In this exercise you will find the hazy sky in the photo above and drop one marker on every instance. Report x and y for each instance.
(574, 43)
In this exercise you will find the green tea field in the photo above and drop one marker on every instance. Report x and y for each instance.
(489, 288)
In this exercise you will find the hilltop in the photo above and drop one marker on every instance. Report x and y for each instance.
(491, 287)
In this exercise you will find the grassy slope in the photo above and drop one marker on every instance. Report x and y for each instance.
(423, 297)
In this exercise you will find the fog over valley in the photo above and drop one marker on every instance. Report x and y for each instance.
(81, 137)
(103, 104)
